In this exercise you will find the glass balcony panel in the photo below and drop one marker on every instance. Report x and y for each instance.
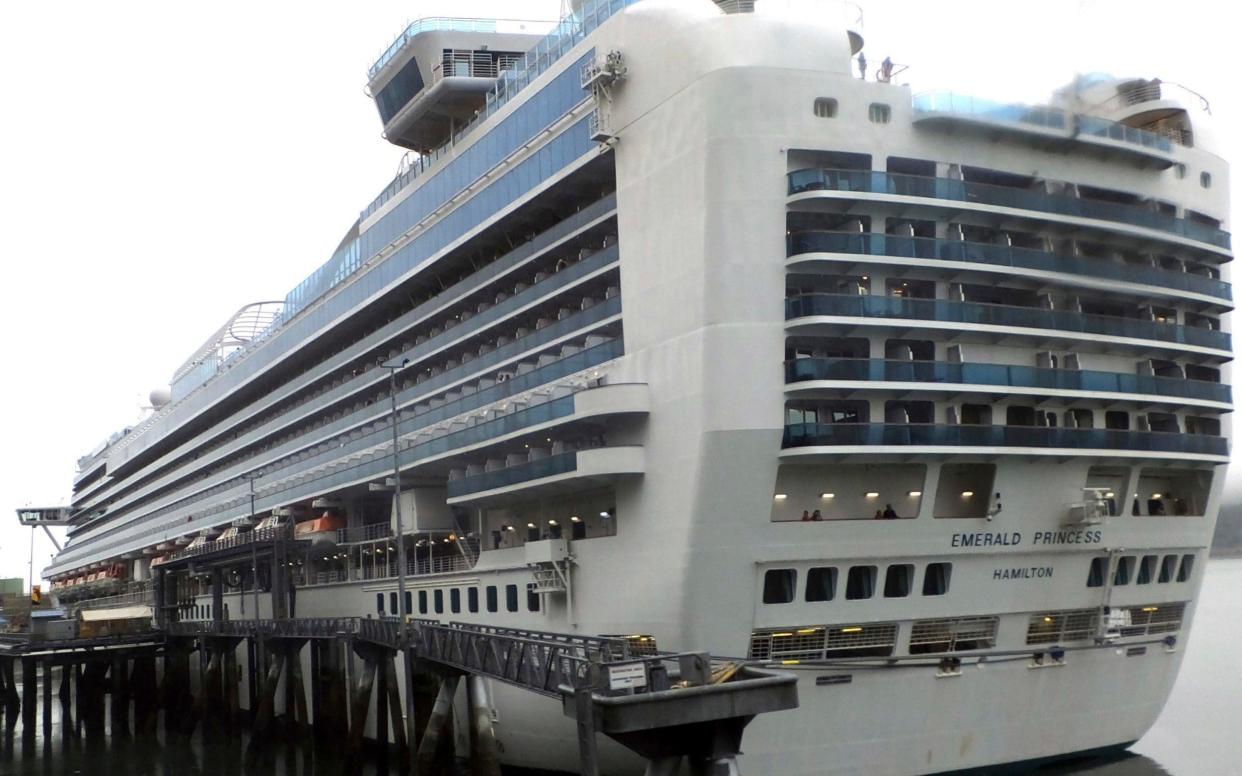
(972, 313)
(880, 370)
(1003, 196)
(858, 243)
(893, 434)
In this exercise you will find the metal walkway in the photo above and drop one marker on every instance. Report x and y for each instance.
(666, 707)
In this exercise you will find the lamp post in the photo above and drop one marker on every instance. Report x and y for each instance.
(254, 553)
(402, 610)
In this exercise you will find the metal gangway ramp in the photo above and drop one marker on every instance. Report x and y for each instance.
(667, 707)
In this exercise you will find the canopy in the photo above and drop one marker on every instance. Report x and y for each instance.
(119, 613)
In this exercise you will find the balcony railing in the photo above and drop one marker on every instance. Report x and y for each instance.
(919, 434)
(1003, 196)
(363, 533)
(975, 313)
(511, 475)
(880, 370)
(868, 244)
(1039, 116)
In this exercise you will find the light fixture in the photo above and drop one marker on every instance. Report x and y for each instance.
(853, 629)
(967, 493)
(575, 519)
(510, 528)
(1109, 494)
(553, 522)
(1156, 496)
(530, 525)
(915, 493)
(781, 496)
(1151, 608)
(872, 494)
(827, 495)
(605, 514)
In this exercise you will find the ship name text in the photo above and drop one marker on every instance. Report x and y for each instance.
(1015, 538)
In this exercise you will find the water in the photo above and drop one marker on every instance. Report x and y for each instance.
(1197, 734)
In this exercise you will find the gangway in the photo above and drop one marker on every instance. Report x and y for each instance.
(666, 707)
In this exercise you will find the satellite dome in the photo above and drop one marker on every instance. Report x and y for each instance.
(160, 396)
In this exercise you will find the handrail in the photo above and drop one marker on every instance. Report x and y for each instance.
(987, 314)
(877, 182)
(900, 246)
(918, 434)
(1014, 375)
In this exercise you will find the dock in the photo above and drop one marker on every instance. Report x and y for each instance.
(669, 708)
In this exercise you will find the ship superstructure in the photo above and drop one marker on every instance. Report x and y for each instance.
(692, 334)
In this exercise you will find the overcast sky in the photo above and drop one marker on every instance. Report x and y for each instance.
(164, 163)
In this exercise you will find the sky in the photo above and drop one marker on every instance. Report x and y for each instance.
(163, 164)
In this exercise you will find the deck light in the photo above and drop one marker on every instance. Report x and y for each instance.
(781, 496)
(915, 493)
(967, 493)
(852, 629)
(1151, 608)
(605, 514)
(781, 635)
(1109, 494)
(827, 495)
(553, 522)
(575, 519)
(1156, 496)
(530, 525)
(809, 630)
(872, 494)
(790, 662)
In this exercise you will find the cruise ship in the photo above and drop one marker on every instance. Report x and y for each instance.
(684, 322)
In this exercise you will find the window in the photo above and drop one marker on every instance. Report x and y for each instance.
(778, 585)
(472, 599)
(1125, 570)
(511, 601)
(439, 599)
(422, 601)
(821, 584)
(936, 578)
(1117, 420)
(1179, 170)
(493, 601)
(532, 598)
(860, 583)
(1095, 577)
(392, 603)
(1147, 570)
(379, 603)
(1187, 568)
(1168, 565)
(409, 603)
(897, 580)
(455, 600)
(879, 113)
(1205, 180)
(826, 107)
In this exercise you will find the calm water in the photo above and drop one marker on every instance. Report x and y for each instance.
(1199, 733)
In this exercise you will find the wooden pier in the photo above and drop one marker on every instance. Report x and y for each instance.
(682, 706)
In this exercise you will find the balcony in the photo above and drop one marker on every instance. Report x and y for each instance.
(873, 182)
(895, 246)
(564, 472)
(1022, 440)
(1044, 122)
(944, 374)
(977, 314)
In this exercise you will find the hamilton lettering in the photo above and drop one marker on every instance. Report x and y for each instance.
(1031, 572)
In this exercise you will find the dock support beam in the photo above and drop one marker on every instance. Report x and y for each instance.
(441, 718)
(485, 754)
